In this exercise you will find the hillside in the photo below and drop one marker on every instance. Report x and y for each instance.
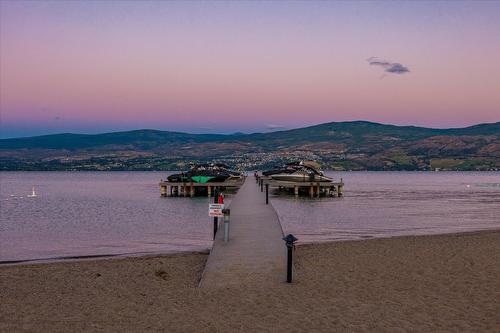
(357, 145)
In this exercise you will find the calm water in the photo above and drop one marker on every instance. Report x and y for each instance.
(101, 213)
(385, 204)
(96, 213)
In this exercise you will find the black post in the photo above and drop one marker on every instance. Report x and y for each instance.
(289, 241)
(262, 185)
(289, 263)
(216, 198)
(267, 194)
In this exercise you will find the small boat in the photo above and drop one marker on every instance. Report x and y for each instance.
(204, 173)
(304, 171)
(301, 176)
(33, 194)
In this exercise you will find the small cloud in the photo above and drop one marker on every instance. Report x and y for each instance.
(389, 67)
(397, 68)
(274, 126)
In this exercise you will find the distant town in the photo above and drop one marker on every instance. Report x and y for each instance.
(245, 162)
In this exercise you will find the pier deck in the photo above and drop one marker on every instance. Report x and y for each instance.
(255, 251)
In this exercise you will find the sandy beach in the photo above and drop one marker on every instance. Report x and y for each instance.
(445, 283)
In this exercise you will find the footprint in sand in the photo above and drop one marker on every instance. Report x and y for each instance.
(162, 274)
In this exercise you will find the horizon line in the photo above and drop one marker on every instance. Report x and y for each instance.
(283, 129)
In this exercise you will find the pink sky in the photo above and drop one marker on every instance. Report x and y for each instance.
(223, 67)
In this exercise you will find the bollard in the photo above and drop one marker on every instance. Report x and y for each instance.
(262, 185)
(227, 216)
(267, 194)
(289, 241)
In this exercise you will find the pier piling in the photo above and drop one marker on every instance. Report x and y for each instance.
(191, 189)
(163, 191)
(267, 194)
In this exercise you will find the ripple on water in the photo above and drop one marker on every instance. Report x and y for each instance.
(386, 204)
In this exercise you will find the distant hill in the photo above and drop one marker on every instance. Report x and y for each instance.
(142, 139)
(357, 145)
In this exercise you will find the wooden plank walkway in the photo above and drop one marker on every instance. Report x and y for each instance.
(255, 251)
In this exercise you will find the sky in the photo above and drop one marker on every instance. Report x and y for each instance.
(223, 67)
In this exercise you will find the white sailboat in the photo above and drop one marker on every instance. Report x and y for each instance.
(33, 194)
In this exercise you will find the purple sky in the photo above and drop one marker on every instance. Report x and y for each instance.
(219, 67)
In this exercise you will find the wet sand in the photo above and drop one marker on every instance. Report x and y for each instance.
(424, 283)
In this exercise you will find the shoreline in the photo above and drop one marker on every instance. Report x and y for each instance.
(371, 238)
(247, 171)
(96, 257)
(78, 258)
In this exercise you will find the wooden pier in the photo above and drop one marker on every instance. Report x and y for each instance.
(313, 189)
(255, 253)
(191, 189)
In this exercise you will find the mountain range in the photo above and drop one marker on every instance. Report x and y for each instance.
(356, 145)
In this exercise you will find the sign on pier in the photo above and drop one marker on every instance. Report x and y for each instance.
(215, 210)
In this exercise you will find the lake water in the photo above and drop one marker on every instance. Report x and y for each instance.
(386, 204)
(96, 213)
(113, 213)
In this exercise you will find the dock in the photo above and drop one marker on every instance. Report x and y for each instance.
(255, 250)
(313, 189)
(191, 189)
